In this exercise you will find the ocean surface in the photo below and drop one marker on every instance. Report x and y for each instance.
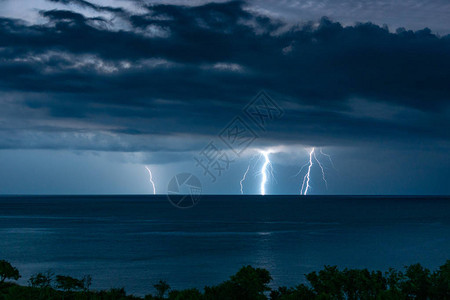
(133, 241)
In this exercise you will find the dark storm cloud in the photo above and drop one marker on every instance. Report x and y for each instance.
(179, 69)
(90, 5)
(414, 14)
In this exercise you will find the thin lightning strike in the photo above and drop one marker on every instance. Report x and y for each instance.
(307, 175)
(301, 169)
(323, 172)
(243, 178)
(151, 180)
(271, 173)
(329, 158)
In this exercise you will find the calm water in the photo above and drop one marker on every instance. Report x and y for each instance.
(133, 242)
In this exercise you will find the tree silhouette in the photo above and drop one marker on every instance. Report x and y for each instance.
(41, 280)
(415, 282)
(7, 271)
(247, 284)
(86, 281)
(161, 287)
(67, 283)
(418, 282)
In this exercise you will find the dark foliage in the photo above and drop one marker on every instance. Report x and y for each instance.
(161, 287)
(415, 282)
(41, 280)
(7, 271)
(67, 283)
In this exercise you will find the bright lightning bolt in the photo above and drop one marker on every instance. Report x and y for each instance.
(265, 154)
(307, 175)
(243, 178)
(151, 180)
(306, 179)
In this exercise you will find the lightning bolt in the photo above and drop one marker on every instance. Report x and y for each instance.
(243, 178)
(151, 180)
(307, 176)
(329, 158)
(301, 169)
(306, 179)
(266, 163)
(321, 168)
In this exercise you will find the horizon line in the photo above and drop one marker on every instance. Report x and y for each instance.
(224, 195)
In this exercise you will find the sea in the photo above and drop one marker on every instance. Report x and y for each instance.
(135, 241)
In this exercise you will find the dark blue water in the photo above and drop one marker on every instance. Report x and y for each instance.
(133, 242)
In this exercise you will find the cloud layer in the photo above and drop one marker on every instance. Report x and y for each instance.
(121, 80)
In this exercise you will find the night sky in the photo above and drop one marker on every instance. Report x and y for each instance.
(91, 92)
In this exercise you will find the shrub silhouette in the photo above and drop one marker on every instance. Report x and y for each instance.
(441, 282)
(41, 280)
(418, 282)
(189, 294)
(161, 287)
(7, 271)
(301, 292)
(247, 283)
(86, 281)
(67, 283)
(415, 282)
